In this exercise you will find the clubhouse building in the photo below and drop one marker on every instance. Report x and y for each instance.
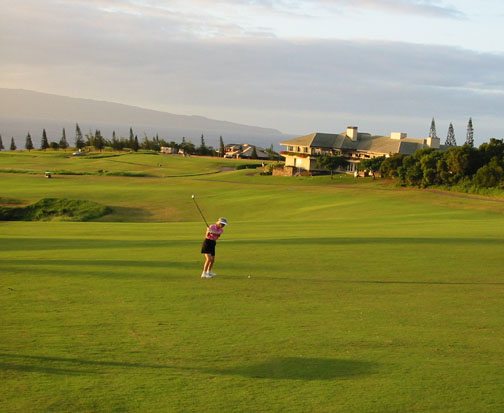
(301, 153)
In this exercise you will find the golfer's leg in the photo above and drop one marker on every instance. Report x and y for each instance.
(207, 265)
(211, 263)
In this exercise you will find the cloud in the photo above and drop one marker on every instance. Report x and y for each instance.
(236, 17)
(429, 8)
(147, 54)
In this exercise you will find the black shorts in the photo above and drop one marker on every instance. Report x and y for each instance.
(208, 247)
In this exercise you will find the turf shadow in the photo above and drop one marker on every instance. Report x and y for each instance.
(29, 368)
(99, 263)
(49, 244)
(300, 368)
(367, 240)
(112, 272)
(41, 244)
(385, 282)
(64, 365)
(278, 368)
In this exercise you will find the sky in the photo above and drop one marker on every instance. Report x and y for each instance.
(295, 65)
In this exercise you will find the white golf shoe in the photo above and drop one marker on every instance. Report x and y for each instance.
(206, 275)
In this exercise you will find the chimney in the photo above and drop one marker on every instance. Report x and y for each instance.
(351, 132)
(433, 142)
(398, 135)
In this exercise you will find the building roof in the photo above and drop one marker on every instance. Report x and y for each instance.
(261, 154)
(386, 145)
(317, 140)
(365, 142)
(245, 150)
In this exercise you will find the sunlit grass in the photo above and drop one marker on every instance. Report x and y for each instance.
(331, 296)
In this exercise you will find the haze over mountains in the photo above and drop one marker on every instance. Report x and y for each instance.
(23, 111)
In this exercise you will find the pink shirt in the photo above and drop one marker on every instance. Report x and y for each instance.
(214, 232)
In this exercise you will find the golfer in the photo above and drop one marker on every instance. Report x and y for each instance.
(208, 248)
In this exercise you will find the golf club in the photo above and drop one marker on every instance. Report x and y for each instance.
(201, 213)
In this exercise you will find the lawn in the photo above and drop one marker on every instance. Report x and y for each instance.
(146, 163)
(362, 297)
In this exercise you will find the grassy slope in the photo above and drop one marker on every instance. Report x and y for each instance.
(361, 298)
(149, 163)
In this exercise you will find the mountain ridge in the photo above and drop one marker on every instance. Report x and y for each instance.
(23, 111)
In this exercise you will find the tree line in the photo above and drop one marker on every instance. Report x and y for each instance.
(464, 165)
(98, 142)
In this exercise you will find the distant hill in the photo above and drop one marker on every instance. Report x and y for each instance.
(23, 111)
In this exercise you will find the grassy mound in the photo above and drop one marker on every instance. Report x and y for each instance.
(55, 209)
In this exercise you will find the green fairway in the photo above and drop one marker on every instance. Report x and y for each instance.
(149, 164)
(332, 295)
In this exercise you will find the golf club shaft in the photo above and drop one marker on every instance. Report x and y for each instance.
(199, 210)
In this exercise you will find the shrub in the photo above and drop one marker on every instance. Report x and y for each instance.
(390, 166)
(490, 175)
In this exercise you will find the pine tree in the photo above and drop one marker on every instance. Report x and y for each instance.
(432, 133)
(79, 140)
(187, 147)
(116, 144)
(202, 150)
(90, 138)
(1, 144)
(98, 141)
(63, 143)
(271, 153)
(222, 148)
(156, 145)
(44, 144)
(29, 142)
(450, 137)
(146, 142)
(136, 145)
(470, 134)
(131, 140)
(13, 146)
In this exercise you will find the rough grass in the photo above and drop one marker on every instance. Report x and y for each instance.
(362, 297)
(48, 209)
